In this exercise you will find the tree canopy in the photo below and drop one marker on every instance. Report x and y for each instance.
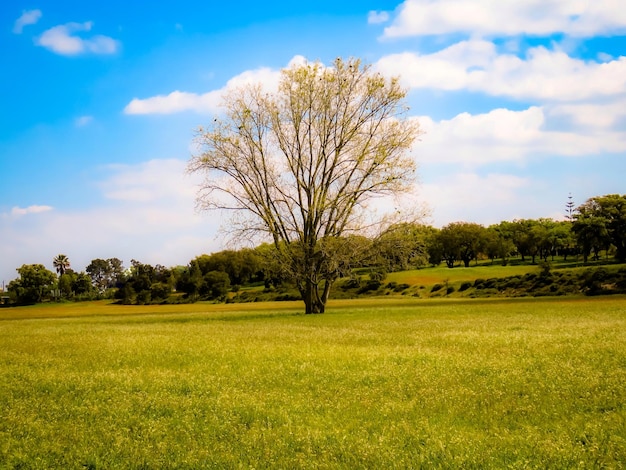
(61, 263)
(34, 283)
(301, 164)
(601, 221)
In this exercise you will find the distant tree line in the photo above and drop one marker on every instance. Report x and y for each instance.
(595, 229)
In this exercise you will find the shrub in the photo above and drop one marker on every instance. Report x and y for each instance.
(159, 291)
(513, 282)
(478, 283)
(370, 285)
(545, 267)
(464, 286)
(287, 297)
(144, 297)
(352, 283)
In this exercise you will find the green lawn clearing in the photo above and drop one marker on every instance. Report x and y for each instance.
(373, 383)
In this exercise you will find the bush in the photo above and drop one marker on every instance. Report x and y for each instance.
(545, 267)
(287, 297)
(144, 297)
(436, 288)
(159, 291)
(464, 286)
(352, 283)
(370, 285)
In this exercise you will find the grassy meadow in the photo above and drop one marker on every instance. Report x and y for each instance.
(440, 274)
(373, 383)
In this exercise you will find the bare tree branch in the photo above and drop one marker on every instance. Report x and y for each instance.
(303, 162)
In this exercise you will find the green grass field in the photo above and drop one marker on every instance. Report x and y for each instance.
(373, 383)
(441, 274)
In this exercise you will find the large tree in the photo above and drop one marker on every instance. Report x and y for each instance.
(608, 211)
(526, 237)
(34, 284)
(461, 241)
(105, 273)
(300, 164)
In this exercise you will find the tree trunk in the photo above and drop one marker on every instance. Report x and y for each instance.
(312, 301)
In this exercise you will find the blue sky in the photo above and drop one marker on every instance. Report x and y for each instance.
(522, 103)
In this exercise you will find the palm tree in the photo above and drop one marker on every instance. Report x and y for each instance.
(61, 263)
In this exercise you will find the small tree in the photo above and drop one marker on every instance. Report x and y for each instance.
(61, 263)
(569, 208)
(81, 284)
(190, 281)
(301, 164)
(65, 283)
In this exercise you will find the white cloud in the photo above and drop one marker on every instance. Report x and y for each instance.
(454, 196)
(593, 115)
(19, 211)
(28, 17)
(82, 121)
(503, 135)
(180, 101)
(377, 17)
(175, 102)
(500, 135)
(148, 213)
(475, 65)
(504, 18)
(63, 39)
(151, 181)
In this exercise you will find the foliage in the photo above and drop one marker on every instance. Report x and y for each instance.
(61, 263)
(242, 266)
(591, 281)
(145, 284)
(353, 259)
(215, 286)
(190, 281)
(461, 241)
(300, 165)
(498, 243)
(403, 246)
(105, 274)
(72, 285)
(601, 221)
(34, 284)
